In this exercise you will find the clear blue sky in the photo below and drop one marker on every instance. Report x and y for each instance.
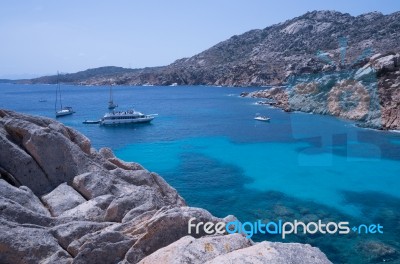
(42, 36)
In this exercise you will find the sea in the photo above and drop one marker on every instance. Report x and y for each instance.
(206, 144)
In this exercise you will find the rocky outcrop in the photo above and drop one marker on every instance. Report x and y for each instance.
(279, 253)
(389, 94)
(62, 201)
(278, 96)
(29, 244)
(191, 250)
(369, 94)
(234, 249)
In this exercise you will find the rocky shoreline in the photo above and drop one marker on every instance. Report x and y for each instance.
(62, 201)
(369, 95)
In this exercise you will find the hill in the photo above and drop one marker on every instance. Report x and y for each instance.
(263, 56)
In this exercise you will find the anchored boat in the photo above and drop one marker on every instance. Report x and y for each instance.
(67, 110)
(111, 104)
(259, 117)
(91, 122)
(126, 117)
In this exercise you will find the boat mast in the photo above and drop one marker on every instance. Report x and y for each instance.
(59, 88)
(55, 104)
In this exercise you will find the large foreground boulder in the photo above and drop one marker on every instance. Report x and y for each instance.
(62, 199)
(277, 253)
(234, 249)
(197, 251)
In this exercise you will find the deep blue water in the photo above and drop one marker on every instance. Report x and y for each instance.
(206, 144)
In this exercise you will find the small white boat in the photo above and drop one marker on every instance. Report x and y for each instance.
(91, 122)
(262, 118)
(126, 117)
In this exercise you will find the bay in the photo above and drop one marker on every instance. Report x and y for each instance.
(207, 145)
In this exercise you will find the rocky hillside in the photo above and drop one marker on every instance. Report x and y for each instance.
(369, 94)
(61, 201)
(267, 56)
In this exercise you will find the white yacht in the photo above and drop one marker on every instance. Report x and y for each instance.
(125, 117)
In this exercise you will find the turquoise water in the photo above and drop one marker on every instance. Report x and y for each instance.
(206, 144)
(277, 167)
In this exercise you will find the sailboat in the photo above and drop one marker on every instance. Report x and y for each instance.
(67, 110)
(111, 104)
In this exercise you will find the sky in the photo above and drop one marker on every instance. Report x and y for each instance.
(41, 37)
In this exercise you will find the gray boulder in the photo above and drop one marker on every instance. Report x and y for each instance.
(22, 244)
(277, 253)
(23, 196)
(93, 184)
(234, 249)
(62, 199)
(139, 200)
(92, 210)
(107, 154)
(23, 169)
(60, 158)
(197, 251)
(167, 225)
(13, 212)
(106, 247)
(49, 152)
(71, 231)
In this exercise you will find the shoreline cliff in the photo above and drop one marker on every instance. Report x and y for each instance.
(62, 201)
(368, 94)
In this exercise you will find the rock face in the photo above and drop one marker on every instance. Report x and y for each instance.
(191, 250)
(62, 199)
(369, 94)
(234, 249)
(95, 208)
(279, 253)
